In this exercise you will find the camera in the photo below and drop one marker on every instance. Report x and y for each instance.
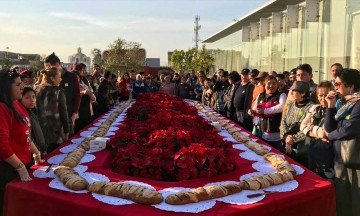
(294, 128)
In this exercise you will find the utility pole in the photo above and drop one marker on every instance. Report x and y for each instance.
(197, 27)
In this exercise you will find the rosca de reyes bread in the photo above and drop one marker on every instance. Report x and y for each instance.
(73, 158)
(134, 193)
(70, 178)
(257, 148)
(279, 163)
(202, 193)
(266, 180)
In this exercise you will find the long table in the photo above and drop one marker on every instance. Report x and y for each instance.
(314, 196)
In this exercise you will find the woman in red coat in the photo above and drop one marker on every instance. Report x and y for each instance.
(125, 85)
(15, 133)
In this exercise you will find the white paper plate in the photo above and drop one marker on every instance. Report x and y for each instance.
(90, 178)
(268, 168)
(77, 140)
(97, 124)
(92, 128)
(230, 139)
(110, 134)
(187, 208)
(57, 159)
(252, 156)
(69, 148)
(86, 133)
(40, 172)
(238, 198)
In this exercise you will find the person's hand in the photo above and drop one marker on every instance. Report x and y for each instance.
(325, 140)
(37, 158)
(260, 111)
(288, 149)
(66, 137)
(331, 99)
(250, 112)
(23, 173)
(74, 117)
(289, 140)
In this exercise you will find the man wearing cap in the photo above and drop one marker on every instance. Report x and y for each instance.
(294, 113)
(70, 83)
(242, 100)
(27, 77)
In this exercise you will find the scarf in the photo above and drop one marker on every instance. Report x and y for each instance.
(345, 105)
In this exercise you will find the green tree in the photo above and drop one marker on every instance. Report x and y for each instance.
(177, 60)
(6, 62)
(96, 53)
(36, 66)
(192, 59)
(124, 55)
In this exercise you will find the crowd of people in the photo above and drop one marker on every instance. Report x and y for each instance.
(309, 122)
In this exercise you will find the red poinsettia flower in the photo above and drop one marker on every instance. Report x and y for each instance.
(163, 138)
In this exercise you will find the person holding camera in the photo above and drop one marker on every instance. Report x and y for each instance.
(294, 113)
(321, 154)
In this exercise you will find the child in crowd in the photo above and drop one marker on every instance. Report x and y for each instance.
(28, 100)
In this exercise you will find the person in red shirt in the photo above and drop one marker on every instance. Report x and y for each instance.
(125, 85)
(15, 133)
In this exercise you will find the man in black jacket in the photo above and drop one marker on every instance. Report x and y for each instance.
(242, 100)
(70, 83)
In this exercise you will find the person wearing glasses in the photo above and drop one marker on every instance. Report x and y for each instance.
(304, 73)
(15, 133)
(342, 123)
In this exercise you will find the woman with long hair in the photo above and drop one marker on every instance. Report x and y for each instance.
(125, 85)
(52, 110)
(87, 98)
(342, 123)
(321, 155)
(15, 128)
(28, 100)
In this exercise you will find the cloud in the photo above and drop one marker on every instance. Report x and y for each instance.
(93, 21)
(134, 23)
(4, 15)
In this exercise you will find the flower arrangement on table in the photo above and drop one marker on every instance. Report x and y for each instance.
(163, 138)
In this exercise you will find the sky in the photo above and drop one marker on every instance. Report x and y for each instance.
(61, 26)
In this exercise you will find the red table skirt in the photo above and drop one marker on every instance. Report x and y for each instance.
(314, 196)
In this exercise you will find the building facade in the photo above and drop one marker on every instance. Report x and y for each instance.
(80, 57)
(285, 33)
